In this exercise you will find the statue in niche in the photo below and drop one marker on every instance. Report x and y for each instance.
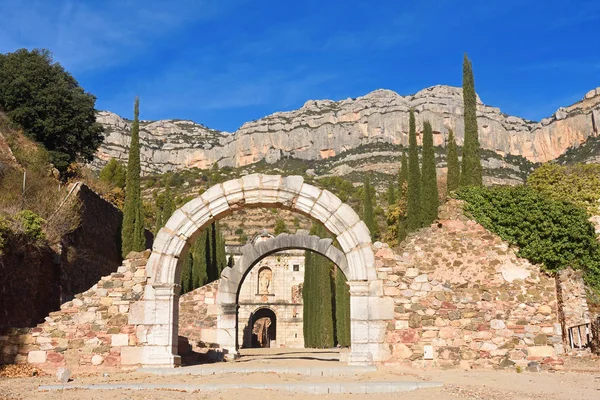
(264, 281)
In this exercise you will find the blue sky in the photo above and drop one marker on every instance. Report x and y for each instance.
(225, 62)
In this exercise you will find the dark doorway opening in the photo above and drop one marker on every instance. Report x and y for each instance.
(264, 328)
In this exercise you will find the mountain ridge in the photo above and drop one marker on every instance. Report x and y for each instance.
(323, 128)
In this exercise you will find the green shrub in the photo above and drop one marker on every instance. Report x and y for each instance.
(555, 234)
(239, 231)
(4, 229)
(32, 224)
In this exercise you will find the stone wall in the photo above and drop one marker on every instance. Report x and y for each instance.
(463, 297)
(573, 307)
(92, 329)
(198, 317)
(29, 287)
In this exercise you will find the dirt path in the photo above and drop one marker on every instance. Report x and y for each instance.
(458, 384)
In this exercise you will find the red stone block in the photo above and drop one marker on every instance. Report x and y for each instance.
(54, 357)
(409, 336)
(448, 305)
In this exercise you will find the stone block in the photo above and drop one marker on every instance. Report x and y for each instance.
(412, 272)
(132, 355)
(381, 308)
(325, 206)
(497, 324)
(36, 357)
(181, 224)
(342, 219)
(359, 331)
(119, 340)
(63, 375)
(355, 236)
(307, 198)
(540, 351)
(421, 278)
(234, 192)
(289, 190)
(97, 359)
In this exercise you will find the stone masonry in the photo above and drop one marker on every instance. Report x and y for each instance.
(463, 297)
(90, 330)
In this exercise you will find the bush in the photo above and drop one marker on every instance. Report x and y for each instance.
(4, 230)
(32, 224)
(579, 184)
(48, 103)
(555, 234)
(239, 231)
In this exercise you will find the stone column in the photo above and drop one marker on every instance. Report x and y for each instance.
(157, 320)
(226, 333)
(369, 314)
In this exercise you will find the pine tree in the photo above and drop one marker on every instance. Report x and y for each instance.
(342, 309)
(132, 231)
(368, 213)
(413, 212)
(169, 205)
(429, 191)
(453, 177)
(471, 163)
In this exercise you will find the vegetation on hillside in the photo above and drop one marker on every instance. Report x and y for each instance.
(47, 102)
(555, 234)
(32, 199)
(579, 184)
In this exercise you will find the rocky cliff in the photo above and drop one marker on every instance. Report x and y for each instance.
(324, 128)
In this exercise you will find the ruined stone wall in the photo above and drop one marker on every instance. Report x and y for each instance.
(198, 316)
(92, 329)
(461, 290)
(29, 287)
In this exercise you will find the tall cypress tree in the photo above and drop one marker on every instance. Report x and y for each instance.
(453, 177)
(403, 176)
(168, 205)
(391, 193)
(368, 213)
(132, 230)
(471, 163)
(198, 275)
(429, 191)
(186, 274)
(413, 219)
(317, 298)
(342, 309)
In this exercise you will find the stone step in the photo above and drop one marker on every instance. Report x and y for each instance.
(342, 370)
(304, 387)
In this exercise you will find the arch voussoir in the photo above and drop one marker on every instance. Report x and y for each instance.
(307, 198)
(343, 218)
(290, 188)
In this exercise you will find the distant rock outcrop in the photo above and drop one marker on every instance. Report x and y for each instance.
(325, 128)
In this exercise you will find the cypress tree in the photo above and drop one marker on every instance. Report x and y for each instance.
(429, 191)
(342, 309)
(453, 177)
(471, 163)
(317, 298)
(186, 274)
(132, 231)
(413, 212)
(368, 213)
(168, 205)
(403, 176)
(391, 193)
(199, 277)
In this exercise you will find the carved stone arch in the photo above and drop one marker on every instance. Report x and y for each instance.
(157, 315)
(232, 278)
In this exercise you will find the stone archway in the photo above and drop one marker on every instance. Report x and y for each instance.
(157, 315)
(252, 253)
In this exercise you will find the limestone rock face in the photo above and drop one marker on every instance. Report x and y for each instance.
(325, 128)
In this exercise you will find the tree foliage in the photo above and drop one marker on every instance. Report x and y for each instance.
(48, 103)
(414, 220)
(132, 232)
(207, 259)
(579, 184)
(453, 177)
(369, 197)
(317, 297)
(280, 226)
(114, 174)
(555, 234)
(342, 309)
(429, 192)
(471, 173)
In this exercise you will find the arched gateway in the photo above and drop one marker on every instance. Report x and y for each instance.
(158, 318)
